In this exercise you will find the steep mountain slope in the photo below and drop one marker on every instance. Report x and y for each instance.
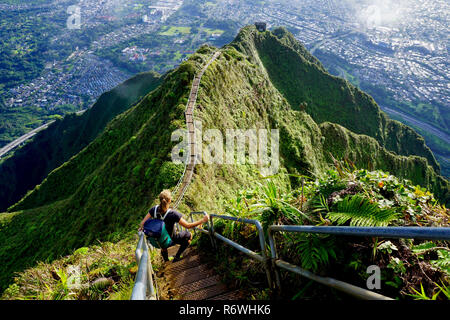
(65, 138)
(367, 153)
(238, 92)
(103, 191)
(301, 78)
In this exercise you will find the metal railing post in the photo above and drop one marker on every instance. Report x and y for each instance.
(144, 276)
(140, 287)
(150, 284)
(262, 243)
(212, 233)
(274, 257)
(425, 233)
(192, 221)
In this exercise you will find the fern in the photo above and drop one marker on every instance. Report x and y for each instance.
(319, 204)
(272, 207)
(361, 212)
(425, 246)
(443, 261)
(315, 251)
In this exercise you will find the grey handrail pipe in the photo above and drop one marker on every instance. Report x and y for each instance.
(175, 190)
(144, 277)
(423, 233)
(429, 233)
(263, 257)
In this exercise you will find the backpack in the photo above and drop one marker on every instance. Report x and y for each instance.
(156, 232)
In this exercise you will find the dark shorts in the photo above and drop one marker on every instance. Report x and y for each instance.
(181, 238)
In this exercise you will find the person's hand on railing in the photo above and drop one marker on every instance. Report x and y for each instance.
(205, 218)
(141, 228)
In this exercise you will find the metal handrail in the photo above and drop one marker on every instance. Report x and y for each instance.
(189, 155)
(144, 277)
(423, 233)
(263, 257)
(429, 233)
(194, 93)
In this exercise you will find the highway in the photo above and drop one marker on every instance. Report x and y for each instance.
(425, 126)
(23, 138)
(27, 136)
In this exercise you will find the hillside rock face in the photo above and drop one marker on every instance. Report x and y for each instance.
(258, 82)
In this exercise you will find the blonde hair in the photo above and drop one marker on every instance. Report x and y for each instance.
(164, 198)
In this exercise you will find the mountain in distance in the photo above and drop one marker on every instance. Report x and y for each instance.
(65, 138)
(261, 80)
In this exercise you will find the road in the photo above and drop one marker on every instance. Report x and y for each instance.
(28, 136)
(425, 126)
(23, 138)
(326, 39)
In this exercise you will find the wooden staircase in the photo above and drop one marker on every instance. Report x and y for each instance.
(193, 278)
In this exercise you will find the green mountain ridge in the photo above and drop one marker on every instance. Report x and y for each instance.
(65, 138)
(366, 152)
(102, 192)
(300, 78)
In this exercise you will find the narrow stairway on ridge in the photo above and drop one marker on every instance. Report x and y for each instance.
(193, 277)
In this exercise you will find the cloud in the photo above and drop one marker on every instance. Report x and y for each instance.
(381, 13)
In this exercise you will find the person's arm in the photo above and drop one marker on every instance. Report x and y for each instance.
(190, 225)
(141, 226)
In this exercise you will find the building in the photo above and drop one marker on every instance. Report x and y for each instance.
(261, 26)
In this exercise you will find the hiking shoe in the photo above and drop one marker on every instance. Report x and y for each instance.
(165, 256)
(177, 259)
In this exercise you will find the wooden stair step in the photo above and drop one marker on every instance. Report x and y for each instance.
(193, 274)
(198, 285)
(186, 253)
(231, 295)
(183, 264)
(206, 293)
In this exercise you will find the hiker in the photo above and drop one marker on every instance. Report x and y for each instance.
(170, 217)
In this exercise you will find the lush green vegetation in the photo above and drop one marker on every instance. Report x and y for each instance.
(20, 52)
(65, 138)
(303, 81)
(433, 114)
(100, 272)
(342, 196)
(102, 192)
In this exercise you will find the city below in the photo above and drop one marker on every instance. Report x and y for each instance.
(397, 51)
